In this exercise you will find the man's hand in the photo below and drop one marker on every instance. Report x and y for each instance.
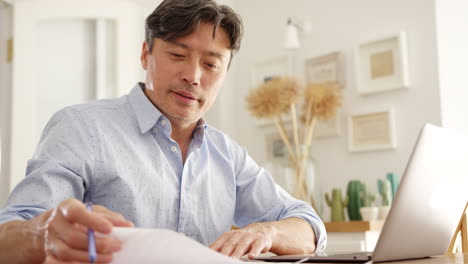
(288, 236)
(253, 239)
(63, 234)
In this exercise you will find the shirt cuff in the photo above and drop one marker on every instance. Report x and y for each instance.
(318, 227)
(19, 212)
(8, 218)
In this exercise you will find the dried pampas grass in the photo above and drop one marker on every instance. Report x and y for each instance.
(279, 96)
(322, 101)
(274, 97)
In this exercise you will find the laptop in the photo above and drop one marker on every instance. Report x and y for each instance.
(427, 207)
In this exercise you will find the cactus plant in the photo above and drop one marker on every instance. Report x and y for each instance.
(353, 190)
(385, 190)
(337, 205)
(393, 178)
(367, 199)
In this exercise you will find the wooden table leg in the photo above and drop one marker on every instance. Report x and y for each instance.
(464, 233)
(462, 229)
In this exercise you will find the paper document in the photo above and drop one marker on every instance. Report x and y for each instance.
(164, 246)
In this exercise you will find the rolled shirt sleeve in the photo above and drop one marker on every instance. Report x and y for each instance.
(56, 172)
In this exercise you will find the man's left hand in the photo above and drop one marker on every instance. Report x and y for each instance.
(253, 239)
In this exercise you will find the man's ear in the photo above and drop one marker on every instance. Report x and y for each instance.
(144, 55)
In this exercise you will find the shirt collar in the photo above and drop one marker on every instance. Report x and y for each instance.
(146, 113)
(201, 124)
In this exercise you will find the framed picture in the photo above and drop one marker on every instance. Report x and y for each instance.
(325, 68)
(372, 131)
(322, 69)
(382, 65)
(266, 70)
(275, 147)
(328, 128)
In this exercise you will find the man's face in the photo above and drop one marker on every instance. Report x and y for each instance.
(183, 76)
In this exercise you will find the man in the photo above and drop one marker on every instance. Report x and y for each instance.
(150, 158)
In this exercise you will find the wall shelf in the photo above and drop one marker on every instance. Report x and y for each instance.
(354, 226)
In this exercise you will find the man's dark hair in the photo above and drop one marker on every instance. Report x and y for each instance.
(178, 18)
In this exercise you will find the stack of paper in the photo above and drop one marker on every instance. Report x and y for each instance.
(164, 246)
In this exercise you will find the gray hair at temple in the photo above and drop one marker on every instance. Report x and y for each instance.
(178, 18)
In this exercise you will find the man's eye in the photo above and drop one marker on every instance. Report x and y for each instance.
(176, 55)
(211, 65)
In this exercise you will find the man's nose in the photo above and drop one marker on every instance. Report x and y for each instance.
(192, 73)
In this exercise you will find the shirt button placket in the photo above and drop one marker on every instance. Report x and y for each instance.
(181, 212)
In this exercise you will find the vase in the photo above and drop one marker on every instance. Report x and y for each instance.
(282, 174)
(307, 187)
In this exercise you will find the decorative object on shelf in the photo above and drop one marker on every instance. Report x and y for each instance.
(368, 211)
(354, 204)
(372, 130)
(393, 178)
(366, 196)
(323, 69)
(385, 191)
(337, 205)
(279, 96)
(382, 65)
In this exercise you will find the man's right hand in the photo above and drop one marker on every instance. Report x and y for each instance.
(63, 232)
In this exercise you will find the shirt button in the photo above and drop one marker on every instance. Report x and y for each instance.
(173, 148)
(163, 122)
(155, 130)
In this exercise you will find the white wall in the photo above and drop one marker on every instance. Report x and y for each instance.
(27, 16)
(5, 84)
(341, 26)
(69, 47)
(452, 44)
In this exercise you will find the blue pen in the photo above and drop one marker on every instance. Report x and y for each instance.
(91, 239)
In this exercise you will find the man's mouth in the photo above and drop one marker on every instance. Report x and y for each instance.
(186, 95)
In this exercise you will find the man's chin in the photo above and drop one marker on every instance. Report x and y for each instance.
(185, 118)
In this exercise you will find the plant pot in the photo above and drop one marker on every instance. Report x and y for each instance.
(369, 213)
(383, 212)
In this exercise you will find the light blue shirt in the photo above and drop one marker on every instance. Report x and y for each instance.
(119, 154)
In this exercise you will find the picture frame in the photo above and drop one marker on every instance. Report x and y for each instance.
(372, 130)
(382, 65)
(322, 69)
(275, 148)
(264, 70)
(267, 69)
(325, 68)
